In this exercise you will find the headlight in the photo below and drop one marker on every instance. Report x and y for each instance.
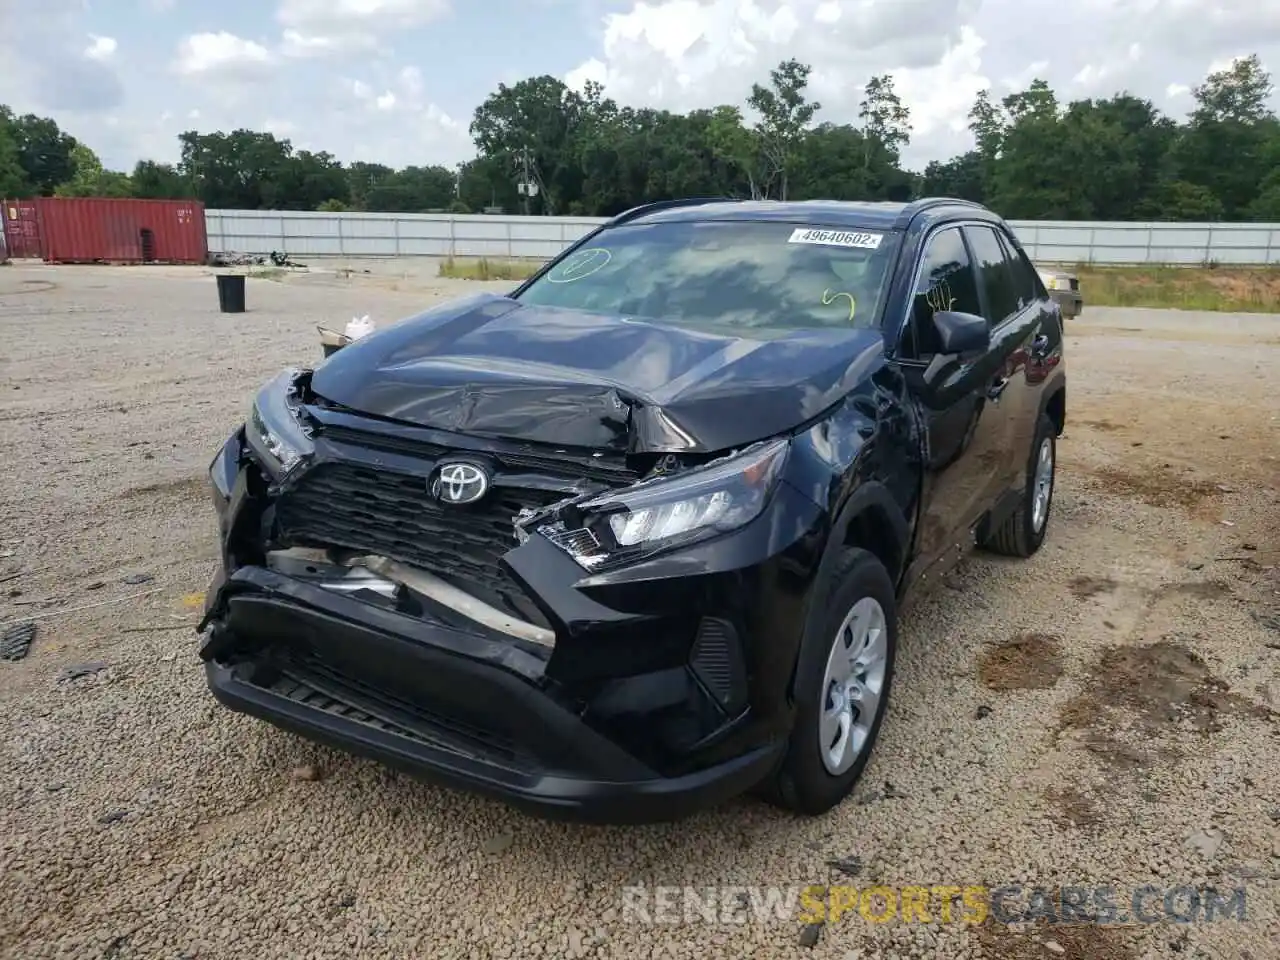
(273, 431)
(623, 526)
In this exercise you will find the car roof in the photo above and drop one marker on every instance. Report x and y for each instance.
(834, 213)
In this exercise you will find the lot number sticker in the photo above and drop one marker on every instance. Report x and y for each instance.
(837, 238)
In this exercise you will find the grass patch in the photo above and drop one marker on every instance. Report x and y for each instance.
(1229, 289)
(486, 269)
(267, 273)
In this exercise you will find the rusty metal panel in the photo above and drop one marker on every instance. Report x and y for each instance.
(21, 229)
(98, 229)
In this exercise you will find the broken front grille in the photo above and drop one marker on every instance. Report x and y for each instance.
(372, 510)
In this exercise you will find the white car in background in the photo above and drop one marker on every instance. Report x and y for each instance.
(1063, 287)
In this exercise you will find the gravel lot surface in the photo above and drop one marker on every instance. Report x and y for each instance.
(1102, 714)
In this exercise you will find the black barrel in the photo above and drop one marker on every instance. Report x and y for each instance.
(231, 292)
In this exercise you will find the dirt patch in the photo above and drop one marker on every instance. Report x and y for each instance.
(1084, 587)
(1105, 426)
(1031, 661)
(184, 487)
(1072, 808)
(1083, 941)
(1160, 686)
(1159, 488)
(1200, 589)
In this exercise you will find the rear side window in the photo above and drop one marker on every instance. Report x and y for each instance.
(946, 283)
(996, 273)
(1025, 282)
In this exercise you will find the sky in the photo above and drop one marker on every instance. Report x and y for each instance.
(397, 81)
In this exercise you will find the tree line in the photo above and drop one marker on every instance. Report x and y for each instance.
(545, 148)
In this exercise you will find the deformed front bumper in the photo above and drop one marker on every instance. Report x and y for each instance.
(491, 727)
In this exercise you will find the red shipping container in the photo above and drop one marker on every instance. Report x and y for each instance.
(97, 229)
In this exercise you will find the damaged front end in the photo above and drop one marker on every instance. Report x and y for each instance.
(575, 632)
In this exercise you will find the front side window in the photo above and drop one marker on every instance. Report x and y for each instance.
(749, 278)
(1025, 281)
(996, 274)
(945, 284)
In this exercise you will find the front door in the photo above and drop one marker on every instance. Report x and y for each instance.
(1016, 313)
(965, 430)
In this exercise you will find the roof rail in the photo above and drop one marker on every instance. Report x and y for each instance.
(917, 207)
(657, 205)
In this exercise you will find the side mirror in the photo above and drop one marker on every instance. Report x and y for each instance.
(962, 334)
(961, 337)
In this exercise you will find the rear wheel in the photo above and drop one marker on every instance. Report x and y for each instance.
(1023, 531)
(843, 679)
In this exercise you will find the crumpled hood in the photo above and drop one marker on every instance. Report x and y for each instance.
(492, 366)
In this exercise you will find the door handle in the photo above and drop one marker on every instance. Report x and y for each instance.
(1040, 346)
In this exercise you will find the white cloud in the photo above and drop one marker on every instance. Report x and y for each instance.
(1022, 79)
(294, 43)
(682, 54)
(100, 48)
(411, 81)
(279, 127)
(385, 101)
(941, 96)
(46, 67)
(371, 14)
(220, 53)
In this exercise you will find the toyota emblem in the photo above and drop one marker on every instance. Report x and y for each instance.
(460, 483)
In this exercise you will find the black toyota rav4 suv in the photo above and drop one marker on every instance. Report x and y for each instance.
(631, 539)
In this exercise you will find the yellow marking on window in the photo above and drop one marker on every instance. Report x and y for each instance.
(829, 298)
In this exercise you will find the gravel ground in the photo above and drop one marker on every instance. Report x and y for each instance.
(1101, 714)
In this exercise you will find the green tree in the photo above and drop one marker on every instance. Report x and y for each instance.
(44, 152)
(784, 116)
(1179, 200)
(960, 177)
(487, 182)
(91, 180)
(361, 178)
(13, 178)
(1226, 146)
(160, 181)
(534, 126)
(886, 121)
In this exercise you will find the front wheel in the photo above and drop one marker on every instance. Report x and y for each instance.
(1023, 531)
(843, 678)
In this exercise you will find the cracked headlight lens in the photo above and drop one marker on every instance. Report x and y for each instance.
(273, 431)
(624, 526)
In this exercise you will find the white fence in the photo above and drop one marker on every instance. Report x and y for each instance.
(360, 235)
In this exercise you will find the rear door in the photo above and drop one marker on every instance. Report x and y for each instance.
(1013, 308)
(965, 434)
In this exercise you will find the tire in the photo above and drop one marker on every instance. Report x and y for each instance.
(1023, 531)
(807, 781)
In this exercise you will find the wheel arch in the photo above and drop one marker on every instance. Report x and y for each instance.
(870, 519)
(1053, 404)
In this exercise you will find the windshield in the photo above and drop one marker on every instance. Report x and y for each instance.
(744, 276)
